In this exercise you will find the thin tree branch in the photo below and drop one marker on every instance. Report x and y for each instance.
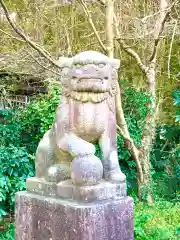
(122, 43)
(128, 49)
(164, 14)
(133, 150)
(88, 14)
(134, 55)
(170, 49)
(109, 22)
(102, 2)
(158, 12)
(157, 40)
(44, 67)
(11, 36)
(41, 51)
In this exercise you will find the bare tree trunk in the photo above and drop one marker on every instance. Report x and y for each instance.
(147, 139)
(150, 121)
(121, 122)
(109, 28)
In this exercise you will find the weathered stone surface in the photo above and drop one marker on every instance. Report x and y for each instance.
(57, 173)
(66, 190)
(45, 218)
(45, 157)
(41, 187)
(78, 147)
(85, 115)
(86, 170)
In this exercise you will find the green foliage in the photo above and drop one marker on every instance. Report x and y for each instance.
(6, 112)
(157, 222)
(38, 117)
(16, 166)
(20, 135)
(9, 234)
(176, 96)
(136, 106)
(27, 126)
(165, 158)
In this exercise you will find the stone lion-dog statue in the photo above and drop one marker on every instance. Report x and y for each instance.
(85, 115)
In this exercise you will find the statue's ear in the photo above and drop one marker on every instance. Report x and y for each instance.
(65, 71)
(115, 63)
(64, 62)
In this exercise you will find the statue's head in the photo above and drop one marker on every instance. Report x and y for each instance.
(89, 76)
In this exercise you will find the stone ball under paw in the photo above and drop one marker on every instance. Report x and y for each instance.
(57, 173)
(86, 170)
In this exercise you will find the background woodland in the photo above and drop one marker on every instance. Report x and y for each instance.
(144, 35)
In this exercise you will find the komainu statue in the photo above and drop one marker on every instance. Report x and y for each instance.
(85, 115)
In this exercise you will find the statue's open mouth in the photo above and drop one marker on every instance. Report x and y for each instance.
(89, 96)
(89, 90)
(89, 85)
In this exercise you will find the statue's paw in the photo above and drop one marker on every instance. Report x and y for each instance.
(116, 176)
(57, 173)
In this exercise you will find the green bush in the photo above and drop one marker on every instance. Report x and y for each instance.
(9, 233)
(165, 158)
(25, 127)
(16, 167)
(20, 135)
(158, 222)
(176, 97)
(136, 106)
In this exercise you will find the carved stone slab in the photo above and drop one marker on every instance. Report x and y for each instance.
(45, 218)
(66, 190)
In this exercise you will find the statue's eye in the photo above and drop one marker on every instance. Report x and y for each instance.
(101, 65)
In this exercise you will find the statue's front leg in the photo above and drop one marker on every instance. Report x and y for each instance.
(112, 171)
(76, 160)
(45, 156)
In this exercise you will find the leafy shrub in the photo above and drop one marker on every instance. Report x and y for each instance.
(27, 126)
(136, 106)
(9, 234)
(165, 158)
(157, 222)
(20, 135)
(176, 96)
(16, 167)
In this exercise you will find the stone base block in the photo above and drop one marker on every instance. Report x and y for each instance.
(66, 190)
(47, 218)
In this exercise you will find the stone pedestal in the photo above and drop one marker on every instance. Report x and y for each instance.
(48, 212)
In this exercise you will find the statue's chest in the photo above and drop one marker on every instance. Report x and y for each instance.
(88, 118)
